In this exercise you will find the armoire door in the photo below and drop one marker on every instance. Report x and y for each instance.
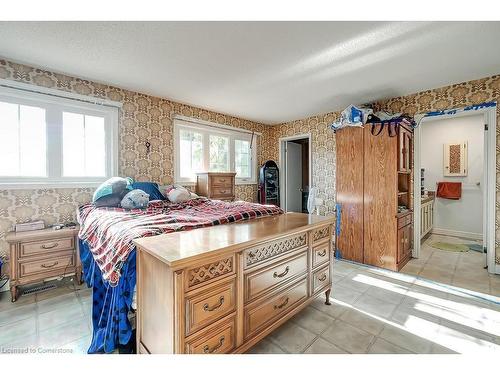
(380, 200)
(349, 190)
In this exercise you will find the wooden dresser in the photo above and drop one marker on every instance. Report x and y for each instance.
(216, 185)
(222, 289)
(42, 254)
(374, 183)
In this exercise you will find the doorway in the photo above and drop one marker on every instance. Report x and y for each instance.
(295, 165)
(454, 239)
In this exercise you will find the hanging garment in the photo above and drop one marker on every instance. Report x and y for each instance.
(449, 190)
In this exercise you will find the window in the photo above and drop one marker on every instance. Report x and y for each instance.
(191, 157)
(47, 140)
(22, 140)
(210, 147)
(219, 154)
(242, 158)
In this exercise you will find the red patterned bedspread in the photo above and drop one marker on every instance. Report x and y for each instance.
(110, 231)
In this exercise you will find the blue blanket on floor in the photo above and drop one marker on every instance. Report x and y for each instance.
(110, 305)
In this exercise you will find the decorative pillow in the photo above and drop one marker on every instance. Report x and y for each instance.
(135, 199)
(111, 192)
(177, 193)
(150, 188)
(113, 200)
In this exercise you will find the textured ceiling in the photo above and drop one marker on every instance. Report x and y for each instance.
(269, 72)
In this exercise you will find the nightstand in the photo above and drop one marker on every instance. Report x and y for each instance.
(216, 185)
(42, 254)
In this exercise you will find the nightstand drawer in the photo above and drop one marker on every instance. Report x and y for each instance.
(28, 249)
(57, 263)
(223, 181)
(222, 191)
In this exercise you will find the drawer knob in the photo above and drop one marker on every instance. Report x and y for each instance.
(206, 307)
(208, 350)
(51, 246)
(322, 277)
(323, 253)
(278, 275)
(281, 305)
(49, 265)
(222, 180)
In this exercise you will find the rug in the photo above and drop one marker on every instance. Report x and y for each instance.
(448, 246)
(476, 247)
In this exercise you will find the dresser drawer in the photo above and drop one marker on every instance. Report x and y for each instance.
(321, 253)
(218, 340)
(273, 308)
(43, 247)
(265, 279)
(207, 306)
(258, 254)
(222, 181)
(321, 279)
(57, 263)
(321, 234)
(217, 191)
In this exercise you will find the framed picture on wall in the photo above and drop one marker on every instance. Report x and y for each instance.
(455, 159)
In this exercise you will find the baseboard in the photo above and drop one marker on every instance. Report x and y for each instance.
(457, 233)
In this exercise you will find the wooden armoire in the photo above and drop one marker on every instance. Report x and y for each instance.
(374, 190)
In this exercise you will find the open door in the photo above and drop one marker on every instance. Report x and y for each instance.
(293, 199)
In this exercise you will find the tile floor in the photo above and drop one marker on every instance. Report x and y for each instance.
(464, 270)
(55, 319)
(372, 311)
(378, 311)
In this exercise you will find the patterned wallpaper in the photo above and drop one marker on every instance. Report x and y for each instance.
(323, 139)
(322, 152)
(148, 118)
(141, 118)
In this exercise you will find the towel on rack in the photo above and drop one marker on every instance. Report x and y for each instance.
(449, 190)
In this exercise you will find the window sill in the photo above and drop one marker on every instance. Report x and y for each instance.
(49, 185)
(245, 183)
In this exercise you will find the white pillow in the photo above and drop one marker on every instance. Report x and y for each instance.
(179, 194)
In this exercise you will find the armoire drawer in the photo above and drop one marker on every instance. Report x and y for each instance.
(405, 220)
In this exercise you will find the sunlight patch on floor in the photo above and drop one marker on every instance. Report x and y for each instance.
(463, 324)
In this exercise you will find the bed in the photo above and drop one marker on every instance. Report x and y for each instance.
(108, 253)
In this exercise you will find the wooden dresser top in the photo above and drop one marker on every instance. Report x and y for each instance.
(180, 248)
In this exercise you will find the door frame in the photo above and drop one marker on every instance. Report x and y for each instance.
(489, 174)
(282, 163)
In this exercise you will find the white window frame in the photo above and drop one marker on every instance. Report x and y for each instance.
(55, 102)
(206, 129)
